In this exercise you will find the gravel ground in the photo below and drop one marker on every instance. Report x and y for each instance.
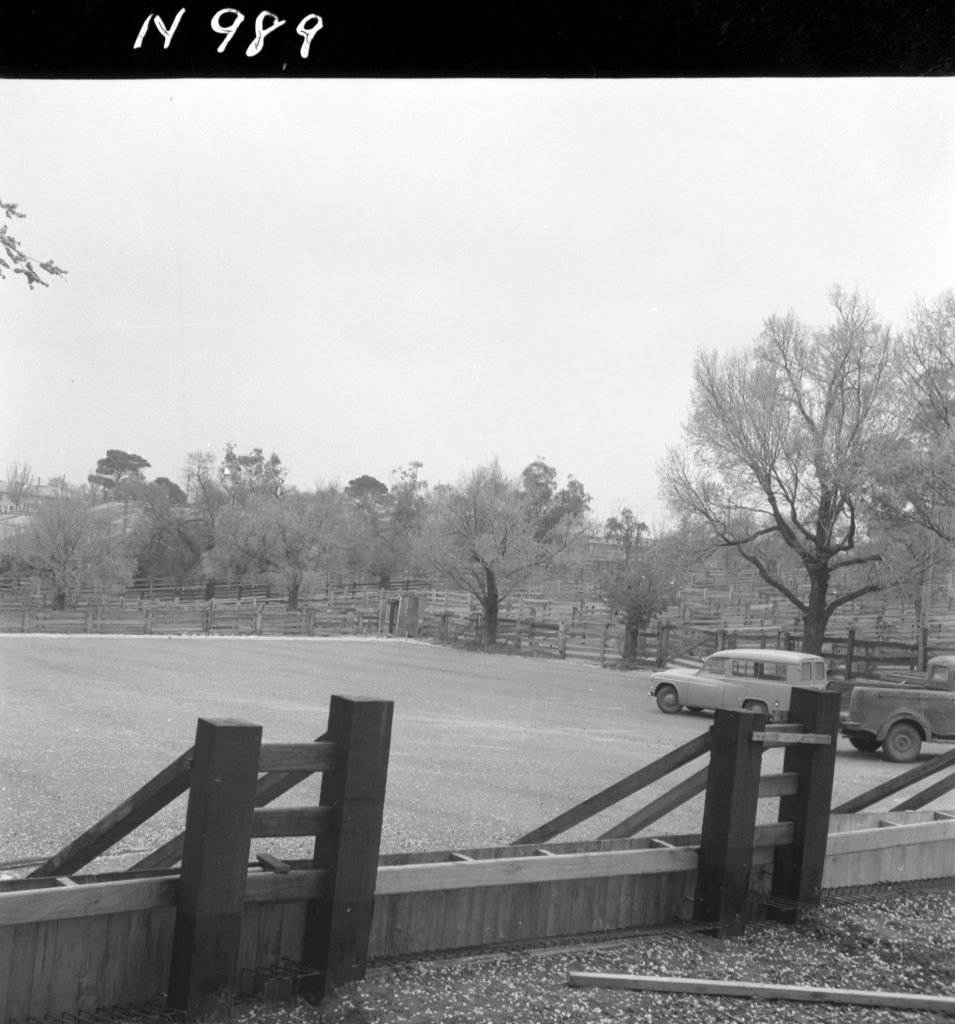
(899, 941)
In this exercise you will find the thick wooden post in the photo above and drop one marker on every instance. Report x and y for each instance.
(338, 928)
(797, 869)
(729, 821)
(202, 977)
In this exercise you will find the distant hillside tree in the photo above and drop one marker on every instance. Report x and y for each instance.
(485, 534)
(781, 447)
(21, 482)
(547, 506)
(115, 468)
(385, 523)
(625, 530)
(917, 468)
(285, 539)
(67, 544)
(647, 583)
(253, 473)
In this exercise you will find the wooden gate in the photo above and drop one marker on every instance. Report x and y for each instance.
(186, 938)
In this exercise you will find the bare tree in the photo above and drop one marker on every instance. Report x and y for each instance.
(485, 535)
(285, 538)
(917, 474)
(779, 450)
(21, 483)
(68, 544)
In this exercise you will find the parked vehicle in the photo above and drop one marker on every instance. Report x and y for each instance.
(900, 719)
(754, 679)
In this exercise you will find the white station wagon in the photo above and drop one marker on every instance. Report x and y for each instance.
(750, 678)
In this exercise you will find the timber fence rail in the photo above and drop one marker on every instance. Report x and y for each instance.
(187, 939)
(538, 889)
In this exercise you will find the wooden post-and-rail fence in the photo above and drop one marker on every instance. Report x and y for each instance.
(733, 784)
(72, 944)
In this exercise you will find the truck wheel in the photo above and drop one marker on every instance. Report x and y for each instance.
(668, 700)
(867, 744)
(902, 743)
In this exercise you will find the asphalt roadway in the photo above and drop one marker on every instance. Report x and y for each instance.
(484, 746)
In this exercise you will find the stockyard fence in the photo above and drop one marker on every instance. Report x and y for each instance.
(187, 940)
(580, 631)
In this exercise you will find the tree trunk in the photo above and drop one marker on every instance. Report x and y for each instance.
(59, 601)
(632, 641)
(816, 617)
(293, 589)
(489, 603)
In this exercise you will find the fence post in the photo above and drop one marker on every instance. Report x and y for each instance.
(561, 639)
(663, 645)
(850, 651)
(797, 868)
(338, 928)
(729, 822)
(603, 643)
(202, 976)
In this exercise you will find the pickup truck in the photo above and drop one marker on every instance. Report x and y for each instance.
(899, 719)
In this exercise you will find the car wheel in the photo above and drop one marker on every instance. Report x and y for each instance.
(756, 705)
(867, 744)
(668, 700)
(902, 743)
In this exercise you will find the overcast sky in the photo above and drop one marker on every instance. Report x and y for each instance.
(360, 274)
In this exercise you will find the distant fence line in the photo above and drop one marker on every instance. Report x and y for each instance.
(565, 630)
(441, 616)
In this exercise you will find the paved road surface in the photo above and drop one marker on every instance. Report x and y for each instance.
(485, 746)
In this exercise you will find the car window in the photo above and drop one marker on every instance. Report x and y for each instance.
(715, 666)
(819, 670)
(938, 674)
(805, 671)
(744, 668)
(776, 671)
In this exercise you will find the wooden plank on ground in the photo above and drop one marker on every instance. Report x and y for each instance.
(754, 990)
(161, 790)
(520, 870)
